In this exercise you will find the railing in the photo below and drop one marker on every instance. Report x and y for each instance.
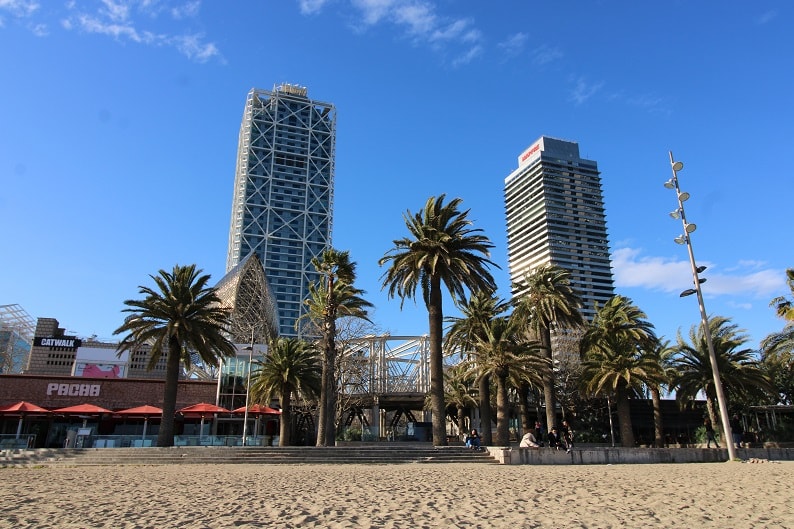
(136, 441)
(9, 441)
(224, 440)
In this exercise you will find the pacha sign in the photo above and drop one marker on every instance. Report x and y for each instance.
(73, 390)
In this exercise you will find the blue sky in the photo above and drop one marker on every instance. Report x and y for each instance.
(119, 123)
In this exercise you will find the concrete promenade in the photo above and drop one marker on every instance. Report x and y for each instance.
(620, 455)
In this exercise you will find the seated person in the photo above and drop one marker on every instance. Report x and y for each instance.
(473, 440)
(529, 441)
(554, 439)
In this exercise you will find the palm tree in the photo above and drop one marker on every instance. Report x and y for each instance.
(182, 316)
(502, 352)
(613, 348)
(777, 362)
(477, 312)
(661, 354)
(777, 349)
(290, 365)
(333, 296)
(457, 392)
(785, 306)
(549, 300)
(739, 370)
(441, 248)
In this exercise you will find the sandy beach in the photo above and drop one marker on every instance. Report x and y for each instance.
(701, 495)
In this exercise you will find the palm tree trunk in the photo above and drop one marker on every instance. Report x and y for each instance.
(436, 321)
(658, 428)
(322, 404)
(624, 417)
(713, 416)
(548, 381)
(461, 420)
(286, 417)
(502, 417)
(326, 429)
(523, 406)
(165, 436)
(485, 410)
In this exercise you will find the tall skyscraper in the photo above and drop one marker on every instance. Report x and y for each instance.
(282, 208)
(555, 215)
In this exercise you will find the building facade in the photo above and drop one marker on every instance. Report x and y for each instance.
(555, 215)
(282, 208)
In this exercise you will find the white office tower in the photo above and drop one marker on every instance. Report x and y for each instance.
(283, 192)
(555, 215)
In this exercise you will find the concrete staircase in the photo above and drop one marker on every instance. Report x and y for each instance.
(386, 454)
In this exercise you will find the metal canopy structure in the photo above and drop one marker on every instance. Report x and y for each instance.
(380, 365)
(17, 329)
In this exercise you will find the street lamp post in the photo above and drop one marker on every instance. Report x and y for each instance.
(686, 239)
(248, 387)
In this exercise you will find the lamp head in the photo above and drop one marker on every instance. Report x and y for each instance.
(670, 184)
(700, 269)
(687, 292)
(676, 214)
(677, 166)
(689, 227)
(683, 196)
(681, 239)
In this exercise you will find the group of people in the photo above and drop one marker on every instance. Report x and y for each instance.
(557, 439)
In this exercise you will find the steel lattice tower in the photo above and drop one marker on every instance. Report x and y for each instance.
(282, 208)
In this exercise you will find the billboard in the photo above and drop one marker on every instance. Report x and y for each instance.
(99, 362)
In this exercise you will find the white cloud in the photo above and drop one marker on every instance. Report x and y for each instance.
(310, 7)
(115, 11)
(19, 8)
(583, 90)
(766, 17)
(187, 10)
(545, 54)
(194, 48)
(514, 44)
(467, 57)
(122, 21)
(421, 22)
(373, 11)
(631, 269)
(419, 18)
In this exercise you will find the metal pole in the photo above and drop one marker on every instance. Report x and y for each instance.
(611, 428)
(248, 387)
(715, 372)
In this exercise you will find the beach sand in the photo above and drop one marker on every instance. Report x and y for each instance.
(698, 495)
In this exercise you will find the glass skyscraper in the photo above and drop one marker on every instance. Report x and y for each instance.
(282, 208)
(555, 215)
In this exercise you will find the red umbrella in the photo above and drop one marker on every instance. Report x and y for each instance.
(145, 411)
(22, 408)
(258, 408)
(203, 408)
(82, 409)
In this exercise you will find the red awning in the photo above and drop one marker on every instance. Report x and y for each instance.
(82, 409)
(141, 411)
(22, 407)
(258, 408)
(203, 408)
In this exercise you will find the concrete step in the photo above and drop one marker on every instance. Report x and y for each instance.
(242, 455)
